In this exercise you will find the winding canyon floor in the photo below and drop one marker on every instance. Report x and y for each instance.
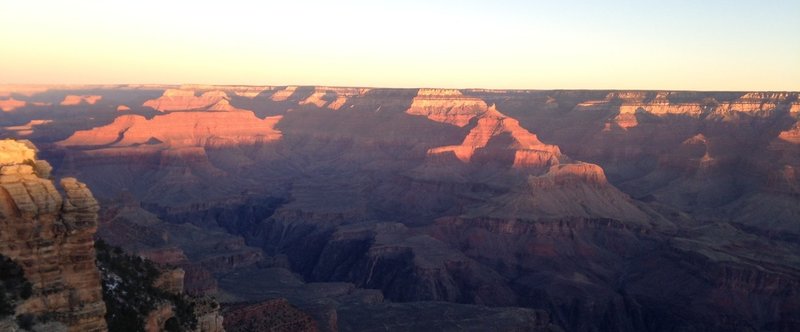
(408, 209)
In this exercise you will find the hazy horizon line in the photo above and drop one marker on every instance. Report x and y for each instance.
(96, 85)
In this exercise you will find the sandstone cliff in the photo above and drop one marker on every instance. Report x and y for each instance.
(51, 237)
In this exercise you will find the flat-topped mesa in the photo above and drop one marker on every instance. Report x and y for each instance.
(332, 97)
(74, 100)
(10, 104)
(185, 100)
(447, 106)
(498, 137)
(180, 129)
(51, 237)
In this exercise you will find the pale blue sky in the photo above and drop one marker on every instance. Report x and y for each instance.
(687, 45)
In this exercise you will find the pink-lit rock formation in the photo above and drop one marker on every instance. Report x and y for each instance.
(185, 100)
(180, 129)
(511, 138)
(794, 109)
(123, 108)
(332, 98)
(448, 106)
(51, 237)
(10, 104)
(74, 100)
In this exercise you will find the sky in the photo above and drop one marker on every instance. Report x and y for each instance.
(567, 44)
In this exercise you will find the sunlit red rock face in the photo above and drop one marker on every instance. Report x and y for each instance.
(10, 104)
(181, 129)
(497, 137)
(185, 100)
(51, 237)
(448, 106)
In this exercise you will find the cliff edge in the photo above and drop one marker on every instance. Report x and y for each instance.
(50, 236)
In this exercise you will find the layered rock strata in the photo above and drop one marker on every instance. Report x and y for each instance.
(51, 237)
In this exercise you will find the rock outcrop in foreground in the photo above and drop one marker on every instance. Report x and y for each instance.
(51, 238)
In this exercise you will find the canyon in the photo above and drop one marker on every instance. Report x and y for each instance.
(363, 208)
